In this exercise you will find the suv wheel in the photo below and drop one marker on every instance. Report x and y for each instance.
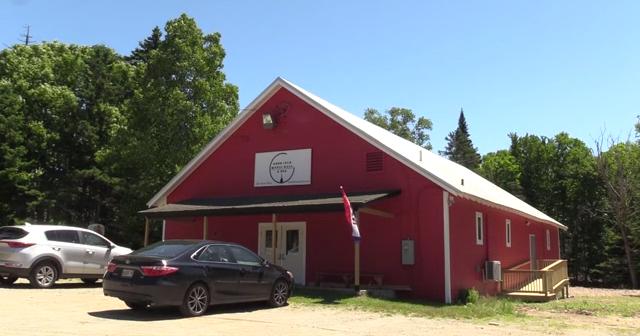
(7, 280)
(44, 275)
(89, 281)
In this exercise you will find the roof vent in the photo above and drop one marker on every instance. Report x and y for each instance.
(462, 181)
(374, 162)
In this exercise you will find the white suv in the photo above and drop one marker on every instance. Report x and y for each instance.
(46, 253)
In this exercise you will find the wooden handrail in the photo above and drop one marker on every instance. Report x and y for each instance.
(556, 263)
(545, 281)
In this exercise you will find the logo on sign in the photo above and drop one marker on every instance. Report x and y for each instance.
(281, 169)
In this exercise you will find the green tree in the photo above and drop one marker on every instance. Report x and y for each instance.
(459, 146)
(402, 122)
(619, 168)
(558, 176)
(502, 169)
(181, 102)
(63, 102)
(142, 53)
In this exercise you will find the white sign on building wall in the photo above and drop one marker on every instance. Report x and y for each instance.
(283, 168)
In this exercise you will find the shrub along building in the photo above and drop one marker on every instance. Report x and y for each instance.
(429, 226)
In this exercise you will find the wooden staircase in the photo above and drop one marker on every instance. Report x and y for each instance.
(549, 280)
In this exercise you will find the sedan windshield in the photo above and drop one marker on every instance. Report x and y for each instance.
(166, 249)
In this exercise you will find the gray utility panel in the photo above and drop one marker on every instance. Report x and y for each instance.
(408, 255)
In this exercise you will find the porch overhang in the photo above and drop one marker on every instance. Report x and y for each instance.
(271, 204)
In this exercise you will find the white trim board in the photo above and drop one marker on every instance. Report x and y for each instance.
(447, 247)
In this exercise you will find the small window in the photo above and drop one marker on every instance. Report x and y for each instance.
(479, 233)
(508, 230)
(215, 253)
(245, 257)
(548, 240)
(12, 233)
(64, 236)
(92, 239)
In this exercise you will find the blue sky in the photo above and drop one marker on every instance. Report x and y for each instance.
(537, 67)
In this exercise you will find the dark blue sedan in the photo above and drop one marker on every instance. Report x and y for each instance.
(194, 274)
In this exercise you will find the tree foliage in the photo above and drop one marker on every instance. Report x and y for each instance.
(88, 135)
(402, 122)
(460, 148)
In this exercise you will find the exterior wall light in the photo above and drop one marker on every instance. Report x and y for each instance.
(267, 121)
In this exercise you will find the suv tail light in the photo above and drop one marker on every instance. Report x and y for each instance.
(18, 244)
(110, 267)
(157, 270)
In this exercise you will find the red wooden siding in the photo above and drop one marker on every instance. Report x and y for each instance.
(339, 157)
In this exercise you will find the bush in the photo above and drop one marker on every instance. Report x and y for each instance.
(468, 295)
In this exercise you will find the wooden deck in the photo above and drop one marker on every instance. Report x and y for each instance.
(549, 280)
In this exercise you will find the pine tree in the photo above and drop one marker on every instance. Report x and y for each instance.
(141, 53)
(460, 148)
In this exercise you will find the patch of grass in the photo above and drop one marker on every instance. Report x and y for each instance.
(485, 308)
(594, 305)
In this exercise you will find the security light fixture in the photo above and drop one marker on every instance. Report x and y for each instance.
(267, 121)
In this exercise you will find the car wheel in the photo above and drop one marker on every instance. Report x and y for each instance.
(44, 275)
(136, 305)
(196, 301)
(89, 281)
(279, 294)
(8, 280)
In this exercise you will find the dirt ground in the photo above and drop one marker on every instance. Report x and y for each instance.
(75, 309)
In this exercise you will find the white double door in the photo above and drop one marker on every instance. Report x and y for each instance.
(290, 242)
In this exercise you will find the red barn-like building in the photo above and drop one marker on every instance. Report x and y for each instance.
(429, 226)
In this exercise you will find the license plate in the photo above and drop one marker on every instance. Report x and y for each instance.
(127, 273)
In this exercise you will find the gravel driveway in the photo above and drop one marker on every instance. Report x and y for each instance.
(75, 309)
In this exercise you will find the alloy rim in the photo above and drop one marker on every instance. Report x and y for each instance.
(45, 276)
(198, 300)
(280, 293)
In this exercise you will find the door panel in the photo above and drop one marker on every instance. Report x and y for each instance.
(532, 252)
(252, 283)
(292, 253)
(97, 253)
(221, 272)
(290, 244)
(267, 240)
(66, 244)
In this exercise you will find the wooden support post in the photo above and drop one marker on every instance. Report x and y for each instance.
(146, 231)
(274, 246)
(356, 280)
(205, 228)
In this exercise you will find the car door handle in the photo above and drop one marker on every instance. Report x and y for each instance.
(89, 251)
(242, 271)
(55, 248)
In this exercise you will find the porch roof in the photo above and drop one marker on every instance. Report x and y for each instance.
(270, 204)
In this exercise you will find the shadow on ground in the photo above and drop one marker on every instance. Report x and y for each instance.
(172, 313)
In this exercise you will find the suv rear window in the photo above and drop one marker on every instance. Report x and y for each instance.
(12, 233)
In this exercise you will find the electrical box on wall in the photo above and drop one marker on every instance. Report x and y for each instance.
(408, 252)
